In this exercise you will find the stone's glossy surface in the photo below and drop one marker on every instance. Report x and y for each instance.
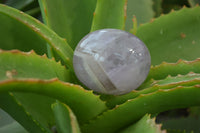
(111, 61)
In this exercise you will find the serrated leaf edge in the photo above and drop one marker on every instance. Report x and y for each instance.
(27, 113)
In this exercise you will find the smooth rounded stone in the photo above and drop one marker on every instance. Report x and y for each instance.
(111, 61)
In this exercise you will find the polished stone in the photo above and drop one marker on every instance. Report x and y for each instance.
(111, 61)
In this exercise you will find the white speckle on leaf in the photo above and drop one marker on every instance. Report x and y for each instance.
(10, 74)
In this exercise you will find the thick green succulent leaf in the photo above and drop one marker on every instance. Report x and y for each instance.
(9, 125)
(5, 118)
(134, 109)
(104, 17)
(193, 2)
(169, 39)
(16, 65)
(144, 125)
(190, 79)
(20, 65)
(17, 111)
(65, 119)
(77, 98)
(38, 106)
(13, 127)
(73, 19)
(181, 67)
(16, 35)
(160, 72)
(21, 31)
(142, 9)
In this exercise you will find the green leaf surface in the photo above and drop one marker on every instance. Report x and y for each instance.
(20, 65)
(144, 125)
(180, 79)
(5, 118)
(190, 79)
(17, 65)
(142, 9)
(17, 111)
(9, 125)
(133, 110)
(78, 99)
(181, 67)
(16, 35)
(13, 127)
(169, 39)
(73, 19)
(21, 31)
(104, 17)
(161, 72)
(38, 106)
(65, 119)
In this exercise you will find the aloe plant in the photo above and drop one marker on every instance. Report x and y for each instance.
(38, 87)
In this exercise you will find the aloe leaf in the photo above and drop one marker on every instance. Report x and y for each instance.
(13, 127)
(38, 106)
(73, 19)
(133, 110)
(17, 111)
(16, 35)
(144, 125)
(19, 29)
(142, 9)
(5, 118)
(104, 17)
(17, 65)
(169, 34)
(181, 67)
(190, 79)
(194, 2)
(65, 119)
(160, 72)
(78, 99)
(9, 125)
(19, 68)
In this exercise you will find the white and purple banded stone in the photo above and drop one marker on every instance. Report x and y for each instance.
(111, 61)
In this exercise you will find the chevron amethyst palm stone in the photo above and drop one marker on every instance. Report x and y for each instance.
(111, 61)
